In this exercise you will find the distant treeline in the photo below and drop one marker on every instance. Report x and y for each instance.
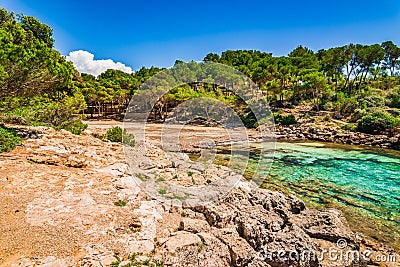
(38, 86)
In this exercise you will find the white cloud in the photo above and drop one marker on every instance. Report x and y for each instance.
(84, 62)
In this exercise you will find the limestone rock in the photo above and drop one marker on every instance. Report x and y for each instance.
(253, 226)
(182, 249)
(194, 225)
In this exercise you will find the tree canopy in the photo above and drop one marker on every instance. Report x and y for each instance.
(28, 63)
(342, 79)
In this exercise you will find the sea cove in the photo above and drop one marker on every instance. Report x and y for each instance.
(364, 183)
(259, 134)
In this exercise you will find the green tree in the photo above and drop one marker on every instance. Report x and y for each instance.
(392, 56)
(41, 31)
(333, 62)
(212, 57)
(28, 64)
(367, 56)
(317, 83)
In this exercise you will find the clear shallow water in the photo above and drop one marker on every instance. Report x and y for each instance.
(363, 183)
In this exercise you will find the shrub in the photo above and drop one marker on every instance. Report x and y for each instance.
(285, 119)
(377, 121)
(44, 111)
(116, 134)
(128, 139)
(358, 114)
(75, 126)
(249, 121)
(394, 99)
(372, 101)
(8, 139)
(346, 105)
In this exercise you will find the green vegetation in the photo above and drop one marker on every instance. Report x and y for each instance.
(180, 197)
(350, 127)
(141, 177)
(349, 81)
(128, 139)
(116, 134)
(133, 258)
(377, 122)
(162, 191)
(285, 119)
(8, 139)
(118, 260)
(120, 203)
(201, 247)
(39, 87)
(184, 214)
(160, 179)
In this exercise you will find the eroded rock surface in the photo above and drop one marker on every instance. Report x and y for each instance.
(70, 200)
(254, 226)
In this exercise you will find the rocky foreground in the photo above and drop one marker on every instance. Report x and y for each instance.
(70, 200)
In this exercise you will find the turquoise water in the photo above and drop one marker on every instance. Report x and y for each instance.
(363, 183)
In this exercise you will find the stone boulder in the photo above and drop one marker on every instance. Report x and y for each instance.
(256, 228)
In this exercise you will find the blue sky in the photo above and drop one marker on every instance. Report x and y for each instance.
(148, 32)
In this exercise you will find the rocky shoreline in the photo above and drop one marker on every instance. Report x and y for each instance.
(76, 192)
(334, 134)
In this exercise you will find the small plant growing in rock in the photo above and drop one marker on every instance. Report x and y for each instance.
(182, 197)
(75, 127)
(31, 161)
(128, 139)
(120, 203)
(136, 230)
(184, 214)
(159, 264)
(190, 174)
(160, 179)
(117, 262)
(134, 255)
(141, 177)
(200, 248)
(162, 191)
